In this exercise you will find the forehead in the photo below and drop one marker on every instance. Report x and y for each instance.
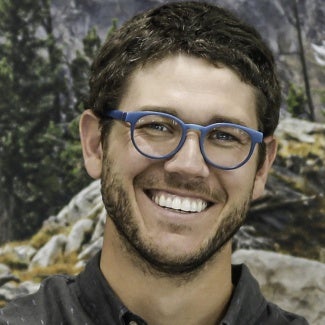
(191, 88)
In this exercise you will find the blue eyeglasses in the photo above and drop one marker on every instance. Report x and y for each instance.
(159, 135)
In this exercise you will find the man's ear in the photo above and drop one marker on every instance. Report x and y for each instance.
(263, 171)
(91, 145)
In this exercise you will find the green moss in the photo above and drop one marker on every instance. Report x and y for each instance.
(62, 265)
(44, 235)
(13, 261)
(303, 149)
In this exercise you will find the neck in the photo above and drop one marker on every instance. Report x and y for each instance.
(200, 298)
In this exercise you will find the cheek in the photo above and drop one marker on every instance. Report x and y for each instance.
(121, 152)
(239, 183)
(126, 160)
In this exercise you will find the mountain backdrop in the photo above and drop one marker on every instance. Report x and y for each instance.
(282, 23)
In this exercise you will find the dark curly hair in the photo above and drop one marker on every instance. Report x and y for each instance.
(197, 29)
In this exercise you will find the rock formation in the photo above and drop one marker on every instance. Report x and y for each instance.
(296, 284)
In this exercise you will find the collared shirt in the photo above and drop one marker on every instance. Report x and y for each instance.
(87, 299)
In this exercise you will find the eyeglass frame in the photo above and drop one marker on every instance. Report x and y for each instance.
(132, 117)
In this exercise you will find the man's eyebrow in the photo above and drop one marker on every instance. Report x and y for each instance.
(227, 119)
(212, 120)
(160, 109)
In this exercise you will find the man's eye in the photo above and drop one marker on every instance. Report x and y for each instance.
(157, 127)
(222, 136)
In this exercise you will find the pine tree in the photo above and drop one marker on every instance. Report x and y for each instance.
(79, 71)
(40, 155)
(34, 112)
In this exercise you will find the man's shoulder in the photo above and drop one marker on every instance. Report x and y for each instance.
(249, 306)
(57, 298)
(273, 314)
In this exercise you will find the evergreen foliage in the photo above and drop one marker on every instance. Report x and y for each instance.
(40, 155)
(296, 101)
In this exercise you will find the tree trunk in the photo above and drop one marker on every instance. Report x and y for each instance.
(303, 62)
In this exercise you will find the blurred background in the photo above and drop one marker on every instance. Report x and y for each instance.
(46, 48)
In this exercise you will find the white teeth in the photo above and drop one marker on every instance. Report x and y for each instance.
(180, 203)
(186, 205)
(162, 200)
(169, 202)
(176, 203)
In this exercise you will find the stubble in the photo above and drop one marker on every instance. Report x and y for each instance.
(148, 257)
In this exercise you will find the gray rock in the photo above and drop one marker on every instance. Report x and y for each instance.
(247, 238)
(300, 130)
(8, 292)
(77, 235)
(99, 229)
(91, 250)
(8, 278)
(81, 205)
(24, 252)
(49, 252)
(11, 291)
(28, 287)
(295, 284)
(4, 270)
(6, 249)
(6, 275)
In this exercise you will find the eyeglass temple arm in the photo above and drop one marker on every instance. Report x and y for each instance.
(119, 115)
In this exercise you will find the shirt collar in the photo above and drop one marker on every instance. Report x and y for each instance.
(103, 305)
(247, 302)
(99, 299)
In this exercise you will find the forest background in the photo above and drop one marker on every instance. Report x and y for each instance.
(46, 48)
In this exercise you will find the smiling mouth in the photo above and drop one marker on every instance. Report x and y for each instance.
(179, 203)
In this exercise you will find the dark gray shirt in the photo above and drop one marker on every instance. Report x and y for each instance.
(88, 299)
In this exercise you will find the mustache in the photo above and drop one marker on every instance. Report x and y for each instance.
(178, 182)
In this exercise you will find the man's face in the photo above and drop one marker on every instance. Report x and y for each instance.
(135, 188)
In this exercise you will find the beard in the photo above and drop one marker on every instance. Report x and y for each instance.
(149, 258)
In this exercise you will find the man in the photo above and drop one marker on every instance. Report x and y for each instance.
(184, 101)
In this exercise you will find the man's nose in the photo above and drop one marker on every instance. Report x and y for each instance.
(188, 160)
